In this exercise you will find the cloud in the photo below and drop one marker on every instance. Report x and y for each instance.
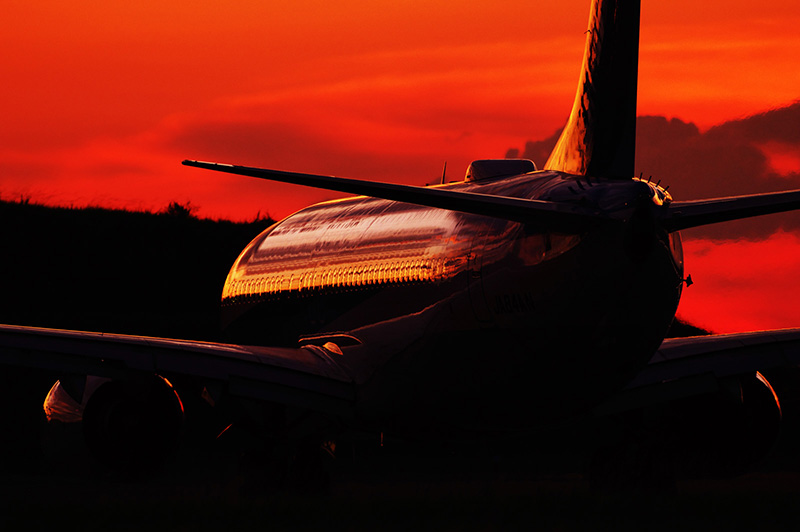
(747, 156)
(537, 150)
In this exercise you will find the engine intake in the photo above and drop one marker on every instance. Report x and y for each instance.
(129, 426)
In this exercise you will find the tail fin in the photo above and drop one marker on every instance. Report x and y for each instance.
(600, 136)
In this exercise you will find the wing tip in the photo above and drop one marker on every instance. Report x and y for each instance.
(205, 164)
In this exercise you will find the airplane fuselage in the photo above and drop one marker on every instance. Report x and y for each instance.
(514, 300)
(485, 321)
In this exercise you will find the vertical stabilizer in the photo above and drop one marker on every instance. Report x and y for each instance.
(600, 136)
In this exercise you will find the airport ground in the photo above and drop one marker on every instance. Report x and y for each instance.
(764, 500)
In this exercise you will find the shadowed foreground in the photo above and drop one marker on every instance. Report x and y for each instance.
(162, 275)
(753, 502)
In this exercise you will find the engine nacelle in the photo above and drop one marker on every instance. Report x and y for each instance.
(129, 426)
(715, 435)
(724, 434)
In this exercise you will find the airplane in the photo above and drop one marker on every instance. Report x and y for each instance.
(517, 299)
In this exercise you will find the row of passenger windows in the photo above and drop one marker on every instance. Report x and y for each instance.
(350, 276)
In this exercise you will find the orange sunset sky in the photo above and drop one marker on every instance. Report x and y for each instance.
(101, 102)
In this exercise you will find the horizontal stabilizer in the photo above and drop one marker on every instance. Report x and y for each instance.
(687, 214)
(556, 216)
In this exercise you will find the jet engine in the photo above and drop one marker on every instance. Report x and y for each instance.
(724, 434)
(712, 435)
(128, 426)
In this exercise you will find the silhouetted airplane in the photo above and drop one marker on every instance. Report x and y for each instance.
(515, 299)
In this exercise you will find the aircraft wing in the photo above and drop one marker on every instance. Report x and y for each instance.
(310, 377)
(683, 367)
(563, 216)
(694, 213)
(307, 377)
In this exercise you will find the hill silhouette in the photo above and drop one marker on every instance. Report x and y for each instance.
(156, 274)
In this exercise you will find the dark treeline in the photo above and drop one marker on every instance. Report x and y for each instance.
(157, 274)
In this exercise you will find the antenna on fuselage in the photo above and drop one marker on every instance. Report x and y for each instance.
(444, 173)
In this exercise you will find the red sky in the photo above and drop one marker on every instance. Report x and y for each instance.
(101, 102)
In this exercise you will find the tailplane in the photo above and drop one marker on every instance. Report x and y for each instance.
(599, 139)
